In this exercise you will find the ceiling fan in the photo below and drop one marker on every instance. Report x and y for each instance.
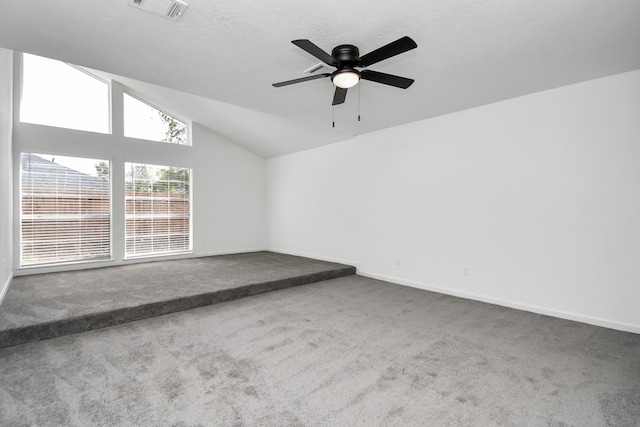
(346, 58)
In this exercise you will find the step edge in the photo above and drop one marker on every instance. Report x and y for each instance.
(88, 322)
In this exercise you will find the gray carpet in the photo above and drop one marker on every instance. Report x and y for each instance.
(345, 352)
(45, 306)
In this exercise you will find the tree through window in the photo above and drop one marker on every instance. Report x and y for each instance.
(158, 209)
(143, 121)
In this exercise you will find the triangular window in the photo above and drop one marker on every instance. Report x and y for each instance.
(58, 94)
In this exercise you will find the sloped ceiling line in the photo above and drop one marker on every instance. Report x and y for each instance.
(219, 60)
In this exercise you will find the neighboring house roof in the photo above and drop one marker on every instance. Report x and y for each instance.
(42, 173)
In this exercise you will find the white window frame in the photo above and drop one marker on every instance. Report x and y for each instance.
(188, 249)
(62, 217)
(88, 73)
(113, 147)
(186, 122)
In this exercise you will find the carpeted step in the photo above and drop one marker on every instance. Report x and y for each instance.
(50, 305)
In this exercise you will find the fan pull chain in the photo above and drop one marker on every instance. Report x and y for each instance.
(359, 86)
(333, 116)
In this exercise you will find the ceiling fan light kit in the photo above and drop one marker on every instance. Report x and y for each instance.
(346, 58)
(345, 78)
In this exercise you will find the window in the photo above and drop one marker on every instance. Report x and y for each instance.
(66, 209)
(65, 202)
(58, 94)
(143, 121)
(158, 209)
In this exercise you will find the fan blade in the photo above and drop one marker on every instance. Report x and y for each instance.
(387, 79)
(314, 50)
(392, 49)
(301, 79)
(339, 96)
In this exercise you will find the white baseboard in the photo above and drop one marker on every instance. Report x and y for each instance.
(5, 288)
(427, 287)
(231, 252)
(318, 257)
(506, 303)
(626, 327)
(85, 265)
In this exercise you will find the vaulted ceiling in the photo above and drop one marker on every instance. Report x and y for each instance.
(216, 64)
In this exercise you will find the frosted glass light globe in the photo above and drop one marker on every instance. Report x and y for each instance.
(346, 79)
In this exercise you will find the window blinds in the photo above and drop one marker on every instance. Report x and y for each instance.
(66, 213)
(158, 209)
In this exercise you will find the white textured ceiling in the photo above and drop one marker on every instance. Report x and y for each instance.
(228, 52)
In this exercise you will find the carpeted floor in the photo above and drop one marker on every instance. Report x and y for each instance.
(345, 352)
(50, 305)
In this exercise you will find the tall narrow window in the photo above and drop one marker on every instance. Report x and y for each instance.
(66, 209)
(143, 121)
(58, 94)
(158, 209)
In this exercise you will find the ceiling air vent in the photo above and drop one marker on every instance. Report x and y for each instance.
(170, 9)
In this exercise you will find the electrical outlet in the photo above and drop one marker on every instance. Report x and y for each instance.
(4, 263)
(397, 260)
(467, 272)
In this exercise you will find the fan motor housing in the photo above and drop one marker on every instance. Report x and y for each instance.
(346, 54)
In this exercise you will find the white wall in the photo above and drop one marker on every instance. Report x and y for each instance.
(6, 129)
(538, 196)
(229, 212)
(228, 181)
